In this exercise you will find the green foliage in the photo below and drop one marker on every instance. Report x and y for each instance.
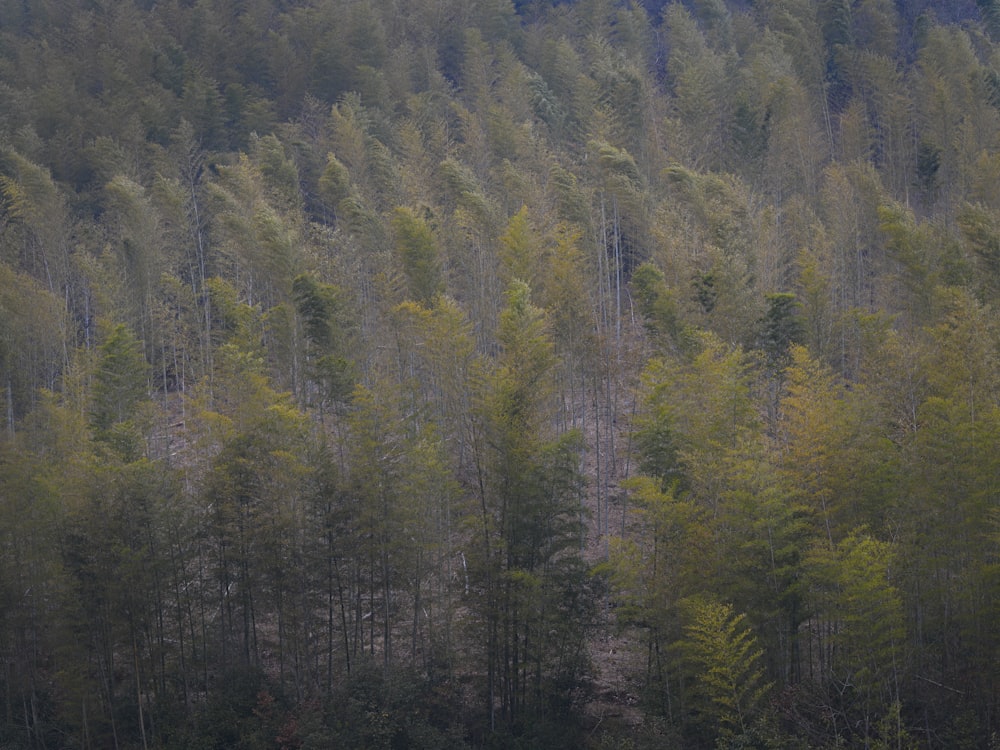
(32, 322)
(722, 653)
(657, 305)
(980, 230)
(336, 338)
(527, 359)
(652, 572)
(325, 320)
(32, 583)
(700, 78)
(780, 328)
(533, 596)
(687, 425)
(416, 246)
(334, 183)
(854, 587)
(519, 249)
(565, 285)
(120, 386)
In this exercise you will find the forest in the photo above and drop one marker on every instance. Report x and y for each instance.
(485, 374)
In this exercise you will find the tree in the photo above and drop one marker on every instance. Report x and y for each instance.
(252, 471)
(32, 339)
(949, 79)
(700, 78)
(658, 307)
(32, 585)
(567, 298)
(707, 227)
(417, 248)
(697, 408)
(120, 386)
(853, 261)
(531, 598)
(728, 685)
(657, 561)
(780, 328)
(923, 258)
(981, 231)
(776, 125)
(140, 260)
(323, 313)
(834, 450)
(117, 604)
(861, 645)
(946, 542)
(438, 363)
(40, 236)
(763, 534)
(520, 252)
(378, 453)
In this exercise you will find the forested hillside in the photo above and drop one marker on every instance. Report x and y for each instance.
(478, 374)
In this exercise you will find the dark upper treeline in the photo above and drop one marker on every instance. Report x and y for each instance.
(477, 374)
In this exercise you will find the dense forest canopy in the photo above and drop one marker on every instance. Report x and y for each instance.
(468, 373)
